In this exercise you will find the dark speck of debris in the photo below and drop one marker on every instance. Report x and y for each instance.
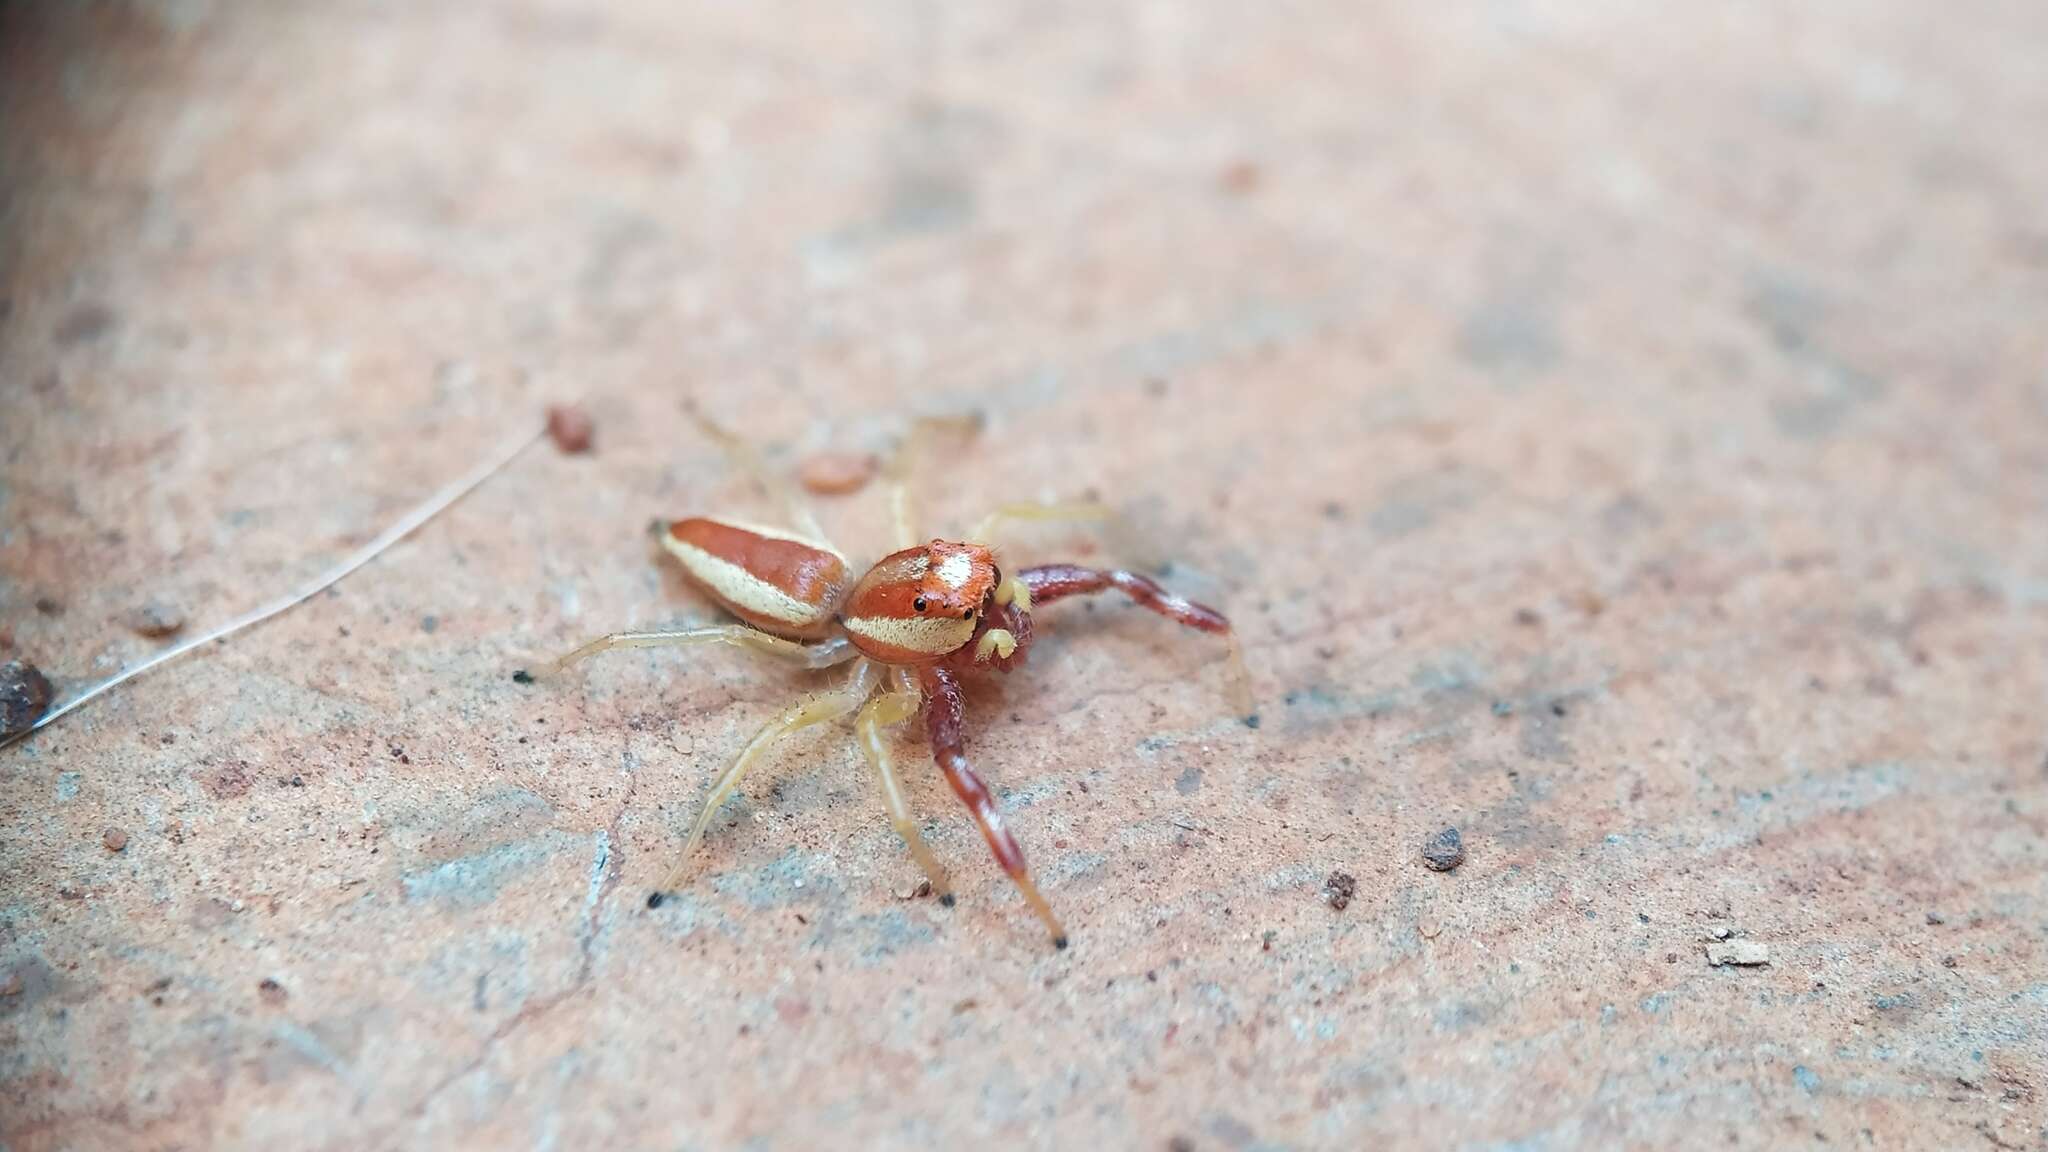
(49, 606)
(654, 899)
(570, 428)
(156, 620)
(114, 839)
(1527, 617)
(271, 991)
(1252, 721)
(1180, 1144)
(1557, 708)
(24, 696)
(1935, 918)
(1266, 940)
(522, 676)
(87, 322)
(1948, 961)
(1060, 943)
(1333, 511)
(1503, 708)
(947, 899)
(1339, 889)
(1444, 851)
(429, 624)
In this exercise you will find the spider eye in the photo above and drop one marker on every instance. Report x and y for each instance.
(967, 615)
(918, 604)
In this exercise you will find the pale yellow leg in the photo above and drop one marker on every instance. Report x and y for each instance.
(823, 654)
(903, 464)
(814, 710)
(1077, 511)
(894, 708)
(745, 457)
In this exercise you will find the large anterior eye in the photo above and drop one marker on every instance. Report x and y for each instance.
(918, 604)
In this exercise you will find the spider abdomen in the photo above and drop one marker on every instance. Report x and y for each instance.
(777, 581)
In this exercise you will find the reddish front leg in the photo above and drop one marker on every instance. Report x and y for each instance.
(1051, 582)
(945, 718)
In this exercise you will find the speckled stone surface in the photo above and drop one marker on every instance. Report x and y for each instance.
(1620, 431)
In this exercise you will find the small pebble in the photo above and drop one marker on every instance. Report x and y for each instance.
(24, 696)
(12, 985)
(115, 839)
(1738, 953)
(272, 992)
(1339, 889)
(571, 429)
(1239, 178)
(1444, 851)
(835, 473)
(155, 620)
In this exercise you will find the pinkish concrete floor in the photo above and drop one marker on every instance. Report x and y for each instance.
(1621, 431)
